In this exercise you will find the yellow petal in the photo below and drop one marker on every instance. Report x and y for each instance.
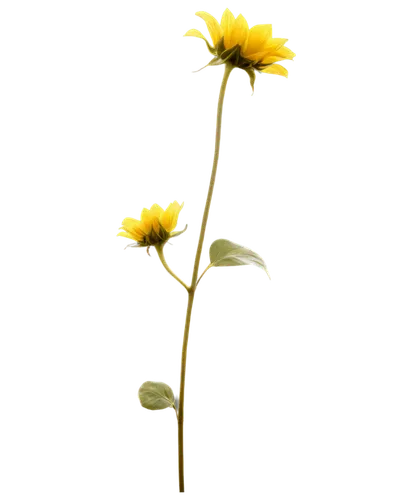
(125, 219)
(156, 210)
(275, 44)
(134, 227)
(279, 55)
(146, 221)
(156, 226)
(169, 218)
(124, 235)
(275, 69)
(259, 56)
(213, 26)
(193, 33)
(227, 22)
(150, 219)
(258, 36)
(239, 34)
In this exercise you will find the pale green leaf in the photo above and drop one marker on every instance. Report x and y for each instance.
(227, 253)
(156, 396)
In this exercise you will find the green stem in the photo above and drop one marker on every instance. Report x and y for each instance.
(181, 400)
(160, 251)
(217, 146)
(192, 289)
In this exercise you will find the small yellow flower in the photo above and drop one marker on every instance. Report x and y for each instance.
(155, 227)
(248, 49)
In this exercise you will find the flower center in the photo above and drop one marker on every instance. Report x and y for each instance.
(155, 237)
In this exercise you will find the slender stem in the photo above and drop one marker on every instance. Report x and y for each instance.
(192, 289)
(160, 251)
(217, 146)
(180, 419)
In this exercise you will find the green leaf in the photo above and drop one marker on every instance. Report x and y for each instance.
(227, 253)
(156, 396)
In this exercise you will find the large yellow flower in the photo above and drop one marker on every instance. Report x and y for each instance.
(248, 49)
(155, 227)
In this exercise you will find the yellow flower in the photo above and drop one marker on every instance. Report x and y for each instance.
(248, 49)
(155, 227)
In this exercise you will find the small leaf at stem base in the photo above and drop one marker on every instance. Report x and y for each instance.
(156, 395)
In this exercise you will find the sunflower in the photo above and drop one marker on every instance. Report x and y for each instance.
(155, 226)
(248, 49)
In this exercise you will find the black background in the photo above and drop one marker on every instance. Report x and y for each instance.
(251, 357)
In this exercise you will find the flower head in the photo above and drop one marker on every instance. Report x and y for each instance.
(248, 49)
(155, 226)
